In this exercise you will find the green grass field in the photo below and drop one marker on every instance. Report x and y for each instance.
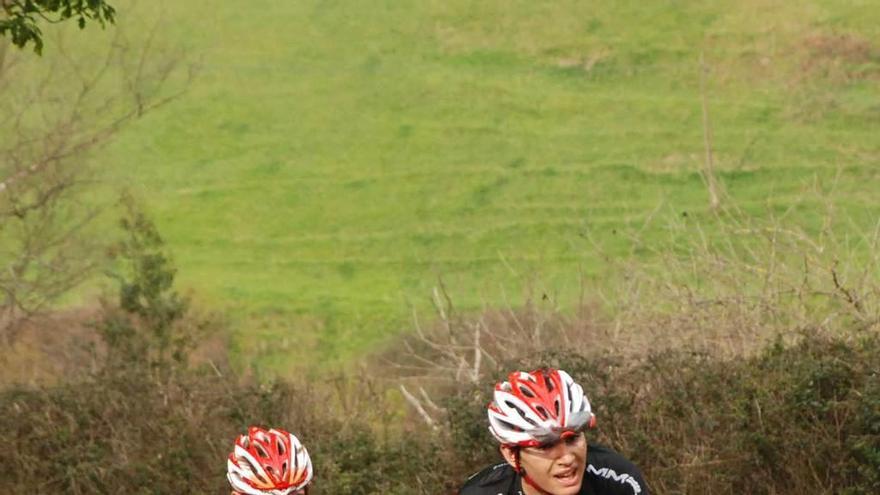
(333, 159)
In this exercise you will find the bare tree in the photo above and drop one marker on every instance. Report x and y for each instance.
(460, 349)
(55, 113)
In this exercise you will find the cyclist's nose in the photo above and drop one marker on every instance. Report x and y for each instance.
(566, 458)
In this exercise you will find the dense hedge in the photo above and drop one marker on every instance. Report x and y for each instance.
(793, 419)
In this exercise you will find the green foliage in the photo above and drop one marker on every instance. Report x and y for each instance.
(145, 323)
(864, 442)
(22, 17)
(146, 272)
(123, 433)
(358, 461)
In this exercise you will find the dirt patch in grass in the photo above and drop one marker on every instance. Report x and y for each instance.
(840, 57)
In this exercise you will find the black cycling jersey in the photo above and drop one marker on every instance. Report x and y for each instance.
(607, 473)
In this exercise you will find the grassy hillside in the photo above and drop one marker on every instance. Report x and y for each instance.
(333, 159)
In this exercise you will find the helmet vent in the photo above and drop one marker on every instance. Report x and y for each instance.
(543, 412)
(526, 391)
(280, 447)
(520, 412)
(260, 450)
(556, 404)
(253, 469)
(510, 426)
(284, 470)
(260, 477)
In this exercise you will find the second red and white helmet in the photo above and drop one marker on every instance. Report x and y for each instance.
(269, 462)
(538, 407)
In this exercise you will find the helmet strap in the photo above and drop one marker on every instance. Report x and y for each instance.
(522, 472)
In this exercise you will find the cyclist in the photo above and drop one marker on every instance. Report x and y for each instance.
(269, 462)
(539, 418)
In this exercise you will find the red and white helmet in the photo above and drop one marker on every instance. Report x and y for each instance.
(268, 462)
(538, 407)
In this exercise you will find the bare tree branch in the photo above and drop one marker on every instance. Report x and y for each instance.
(414, 401)
(70, 107)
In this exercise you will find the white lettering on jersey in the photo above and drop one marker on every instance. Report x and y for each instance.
(620, 478)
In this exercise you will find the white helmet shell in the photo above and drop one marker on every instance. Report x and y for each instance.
(532, 408)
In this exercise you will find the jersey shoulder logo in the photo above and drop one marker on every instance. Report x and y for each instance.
(610, 474)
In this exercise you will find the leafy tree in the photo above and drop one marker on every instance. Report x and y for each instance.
(145, 325)
(22, 17)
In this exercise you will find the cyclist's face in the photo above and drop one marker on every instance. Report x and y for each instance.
(558, 468)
